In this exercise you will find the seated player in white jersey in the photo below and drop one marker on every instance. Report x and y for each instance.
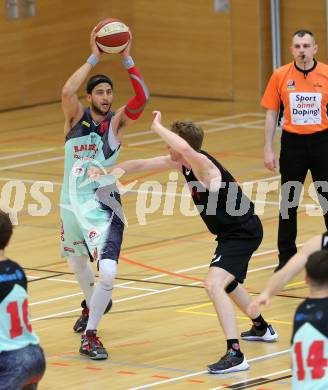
(92, 216)
(310, 331)
(22, 362)
(229, 215)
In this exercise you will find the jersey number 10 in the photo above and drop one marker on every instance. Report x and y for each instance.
(16, 328)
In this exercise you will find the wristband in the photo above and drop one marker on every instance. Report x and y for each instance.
(93, 60)
(128, 62)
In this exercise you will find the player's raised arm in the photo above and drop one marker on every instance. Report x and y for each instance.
(204, 169)
(135, 106)
(72, 107)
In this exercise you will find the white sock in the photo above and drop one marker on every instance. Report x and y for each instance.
(102, 293)
(82, 269)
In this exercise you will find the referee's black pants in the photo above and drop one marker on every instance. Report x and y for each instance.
(300, 153)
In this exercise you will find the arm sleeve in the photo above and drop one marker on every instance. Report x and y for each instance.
(136, 105)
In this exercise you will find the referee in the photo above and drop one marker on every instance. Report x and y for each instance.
(298, 92)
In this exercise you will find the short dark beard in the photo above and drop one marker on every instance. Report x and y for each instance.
(99, 112)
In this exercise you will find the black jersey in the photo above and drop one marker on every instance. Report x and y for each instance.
(88, 143)
(220, 210)
(313, 311)
(11, 274)
(86, 126)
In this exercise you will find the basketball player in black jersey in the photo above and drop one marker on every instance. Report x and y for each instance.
(229, 215)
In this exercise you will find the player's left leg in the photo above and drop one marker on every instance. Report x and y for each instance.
(106, 249)
(234, 360)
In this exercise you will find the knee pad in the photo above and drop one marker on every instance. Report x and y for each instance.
(107, 273)
(77, 263)
(231, 286)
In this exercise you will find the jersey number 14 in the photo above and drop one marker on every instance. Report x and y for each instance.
(315, 360)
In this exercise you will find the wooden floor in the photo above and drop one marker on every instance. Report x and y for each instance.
(162, 331)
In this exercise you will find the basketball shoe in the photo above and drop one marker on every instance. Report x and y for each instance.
(268, 335)
(92, 347)
(230, 362)
(81, 323)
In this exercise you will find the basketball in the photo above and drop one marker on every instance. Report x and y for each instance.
(112, 35)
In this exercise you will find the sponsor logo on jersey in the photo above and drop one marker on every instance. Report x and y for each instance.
(85, 147)
(84, 158)
(291, 85)
(103, 127)
(85, 123)
(68, 249)
(18, 275)
(78, 171)
(93, 236)
(78, 242)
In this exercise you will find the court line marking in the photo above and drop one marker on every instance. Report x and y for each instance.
(152, 277)
(295, 283)
(253, 379)
(262, 357)
(115, 302)
(209, 122)
(40, 151)
(227, 127)
(32, 163)
(145, 132)
(192, 310)
(141, 295)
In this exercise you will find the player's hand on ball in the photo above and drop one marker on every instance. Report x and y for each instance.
(94, 47)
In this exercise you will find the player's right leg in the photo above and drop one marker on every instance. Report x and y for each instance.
(260, 330)
(104, 242)
(73, 246)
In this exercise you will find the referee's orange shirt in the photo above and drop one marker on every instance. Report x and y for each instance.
(305, 98)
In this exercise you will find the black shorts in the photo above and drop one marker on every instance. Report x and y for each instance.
(235, 248)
